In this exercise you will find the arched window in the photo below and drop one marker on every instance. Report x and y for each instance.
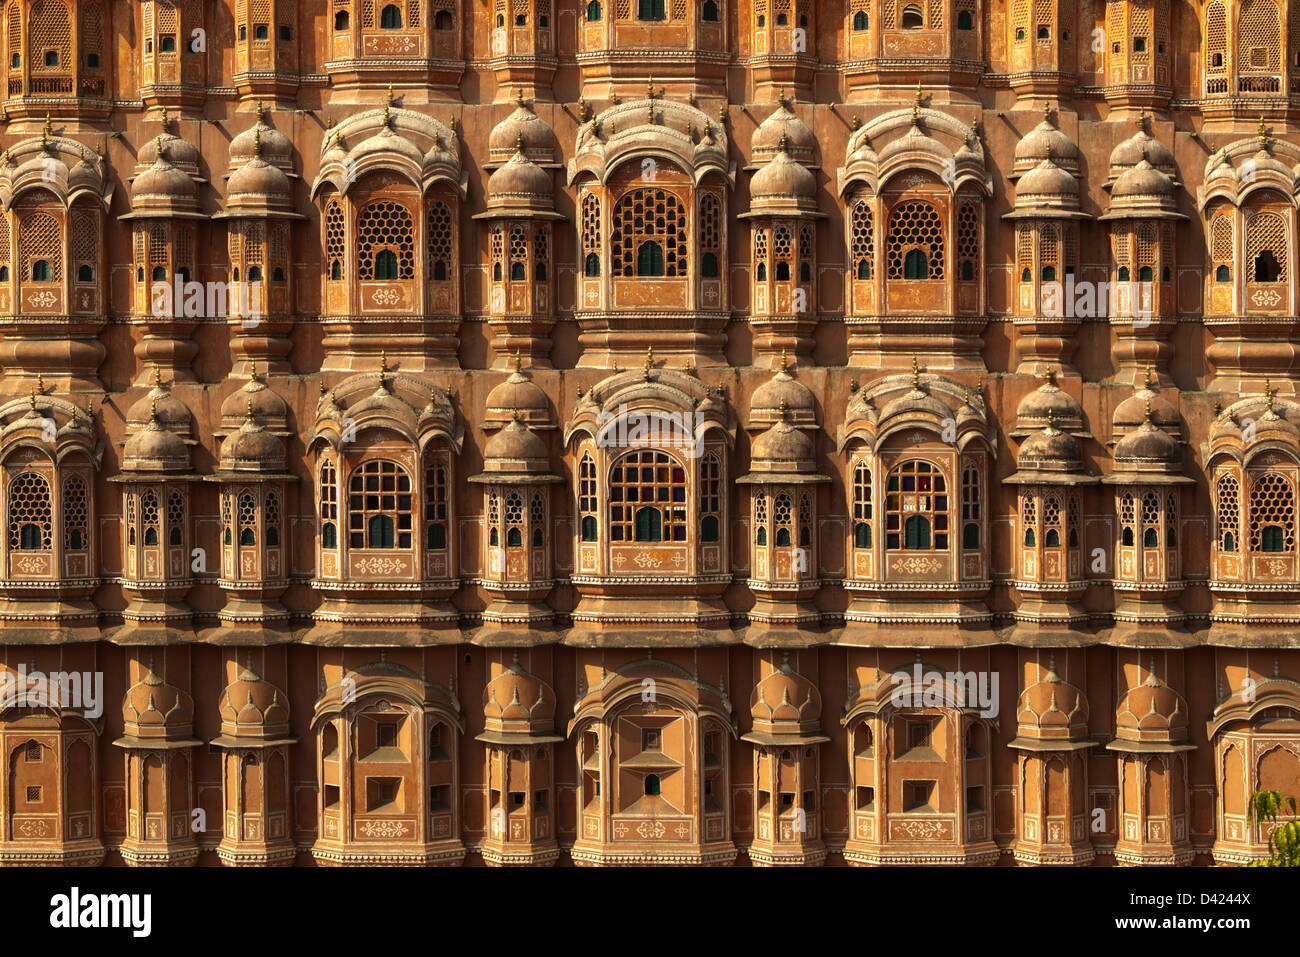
(1266, 247)
(860, 21)
(1227, 512)
(652, 784)
(247, 517)
(41, 271)
(650, 259)
(916, 490)
(1267, 268)
(641, 216)
(85, 273)
(587, 506)
(964, 21)
(710, 498)
(149, 517)
(1223, 273)
(709, 11)
(709, 265)
(1051, 522)
(255, 272)
(271, 519)
(1043, 33)
(76, 519)
(518, 272)
(341, 20)
(591, 266)
(385, 226)
(329, 506)
(390, 18)
(442, 20)
(379, 506)
(30, 525)
(915, 227)
(647, 476)
(911, 19)
(435, 506)
(1123, 275)
(514, 520)
(971, 507)
(175, 517)
(862, 516)
(1272, 514)
(438, 232)
(594, 11)
(650, 9)
(1049, 274)
(915, 265)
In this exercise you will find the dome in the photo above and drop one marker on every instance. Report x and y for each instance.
(1151, 713)
(913, 402)
(782, 445)
(783, 124)
(782, 391)
(387, 143)
(164, 184)
(522, 131)
(154, 709)
(1142, 146)
(1050, 451)
(520, 182)
(1148, 445)
(167, 146)
(1042, 142)
(251, 707)
(257, 179)
(158, 403)
(1046, 402)
(85, 174)
(1052, 708)
(518, 703)
(1046, 183)
(516, 448)
(1142, 180)
(252, 448)
(518, 396)
(273, 145)
(1143, 404)
(155, 449)
(782, 178)
(913, 141)
(785, 703)
(268, 408)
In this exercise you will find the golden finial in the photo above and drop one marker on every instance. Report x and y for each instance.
(965, 396)
(916, 104)
(650, 87)
(784, 145)
(519, 97)
(322, 387)
(519, 142)
(1268, 394)
(250, 410)
(1049, 376)
(782, 411)
(257, 141)
(388, 119)
(433, 396)
(252, 370)
(45, 133)
(390, 94)
(157, 378)
(1263, 133)
(1146, 379)
(33, 400)
(615, 361)
(383, 362)
(90, 407)
(1051, 420)
(722, 114)
(916, 374)
(650, 113)
(519, 362)
(40, 382)
(584, 111)
(261, 111)
(153, 411)
(1142, 121)
(1148, 412)
(615, 99)
(857, 122)
(783, 361)
(974, 129)
(453, 124)
(1047, 112)
(649, 361)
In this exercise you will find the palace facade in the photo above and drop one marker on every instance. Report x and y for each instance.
(528, 432)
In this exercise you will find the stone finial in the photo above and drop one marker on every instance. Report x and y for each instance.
(1049, 376)
(784, 361)
(519, 97)
(153, 409)
(649, 361)
(916, 374)
(250, 411)
(1262, 133)
(1146, 379)
(784, 145)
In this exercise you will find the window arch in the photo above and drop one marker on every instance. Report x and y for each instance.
(1272, 514)
(175, 517)
(972, 507)
(335, 238)
(863, 239)
(149, 518)
(650, 10)
(30, 520)
(862, 517)
(647, 497)
(435, 506)
(709, 11)
(441, 244)
(1227, 512)
(710, 498)
(41, 247)
(591, 234)
(390, 18)
(1127, 519)
(76, 513)
(1267, 247)
(594, 12)
(379, 506)
(246, 516)
(860, 20)
(916, 489)
(915, 227)
(650, 259)
(912, 18)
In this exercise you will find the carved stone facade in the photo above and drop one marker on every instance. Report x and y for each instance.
(548, 432)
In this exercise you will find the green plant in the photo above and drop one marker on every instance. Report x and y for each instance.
(1284, 842)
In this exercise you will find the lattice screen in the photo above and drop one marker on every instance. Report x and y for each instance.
(440, 237)
(1258, 37)
(1272, 502)
(75, 513)
(385, 225)
(29, 504)
(590, 223)
(1267, 231)
(915, 224)
(1216, 38)
(968, 234)
(863, 239)
(40, 237)
(650, 214)
(335, 237)
(710, 224)
(50, 30)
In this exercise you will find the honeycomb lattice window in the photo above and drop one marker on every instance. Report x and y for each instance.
(159, 253)
(1049, 248)
(541, 249)
(760, 253)
(335, 239)
(935, 19)
(30, 523)
(50, 32)
(149, 517)
(76, 515)
(226, 533)
(1120, 245)
(92, 35)
(1259, 39)
(4, 240)
(590, 223)
(968, 240)
(760, 519)
(916, 507)
(650, 215)
(782, 252)
(367, 14)
(440, 242)
(1025, 251)
(496, 252)
(1227, 512)
(1150, 510)
(379, 506)
(710, 233)
(271, 518)
(805, 249)
(1127, 518)
(175, 516)
(889, 15)
(329, 493)
(514, 520)
(493, 514)
(1146, 244)
(915, 225)
(1051, 520)
(1272, 514)
(184, 248)
(862, 492)
(863, 240)
(1216, 39)
(41, 240)
(412, 13)
(385, 226)
(279, 246)
(85, 244)
(972, 507)
(647, 498)
(246, 518)
(1020, 19)
(1266, 238)
(13, 27)
(1029, 516)
(782, 519)
(1171, 518)
(587, 503)
(1072, 520)
(537, 514)
(1070, 246)
(1139, 25)
(518, 253)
